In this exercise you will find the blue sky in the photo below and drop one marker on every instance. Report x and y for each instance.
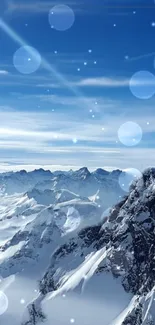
(68, 112)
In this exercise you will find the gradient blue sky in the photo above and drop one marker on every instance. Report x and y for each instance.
(68, 118)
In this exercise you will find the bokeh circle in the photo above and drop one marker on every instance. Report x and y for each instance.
(3, 303)
(61, 17)
(27, 59)
(142, 84)
(130, 134)
(127, 177)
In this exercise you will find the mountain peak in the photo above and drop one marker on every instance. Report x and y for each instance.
(22, 172)
(82, 172)
(149, 174)
(116, 172)
(41, 170)
(101, 172)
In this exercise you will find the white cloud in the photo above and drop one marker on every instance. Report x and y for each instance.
(35, 6)
(4, 72)
(133, 158)
(67, 125)
(93, 82)
(49, 136)
(30, 167)
(111, 82)
(50, 85)
(81, 101)
(103, 82)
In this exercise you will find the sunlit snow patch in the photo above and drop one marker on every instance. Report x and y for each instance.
(73, 220)
(84, 272)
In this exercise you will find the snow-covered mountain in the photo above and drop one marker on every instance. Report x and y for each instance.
(121, 248)
(101, 183)
(72, 259)
(38, 207)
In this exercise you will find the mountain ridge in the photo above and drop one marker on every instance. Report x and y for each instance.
(75, 244)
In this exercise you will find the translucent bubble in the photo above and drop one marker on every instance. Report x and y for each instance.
(3, 303)
(127, 177)
(27, 60)
(61, 17)
(142, 84)
(130, 134)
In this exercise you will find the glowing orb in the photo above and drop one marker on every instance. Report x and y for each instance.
(130, 134)
(142, 84)
(61, 17)
(127, 177)
(27, 60)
